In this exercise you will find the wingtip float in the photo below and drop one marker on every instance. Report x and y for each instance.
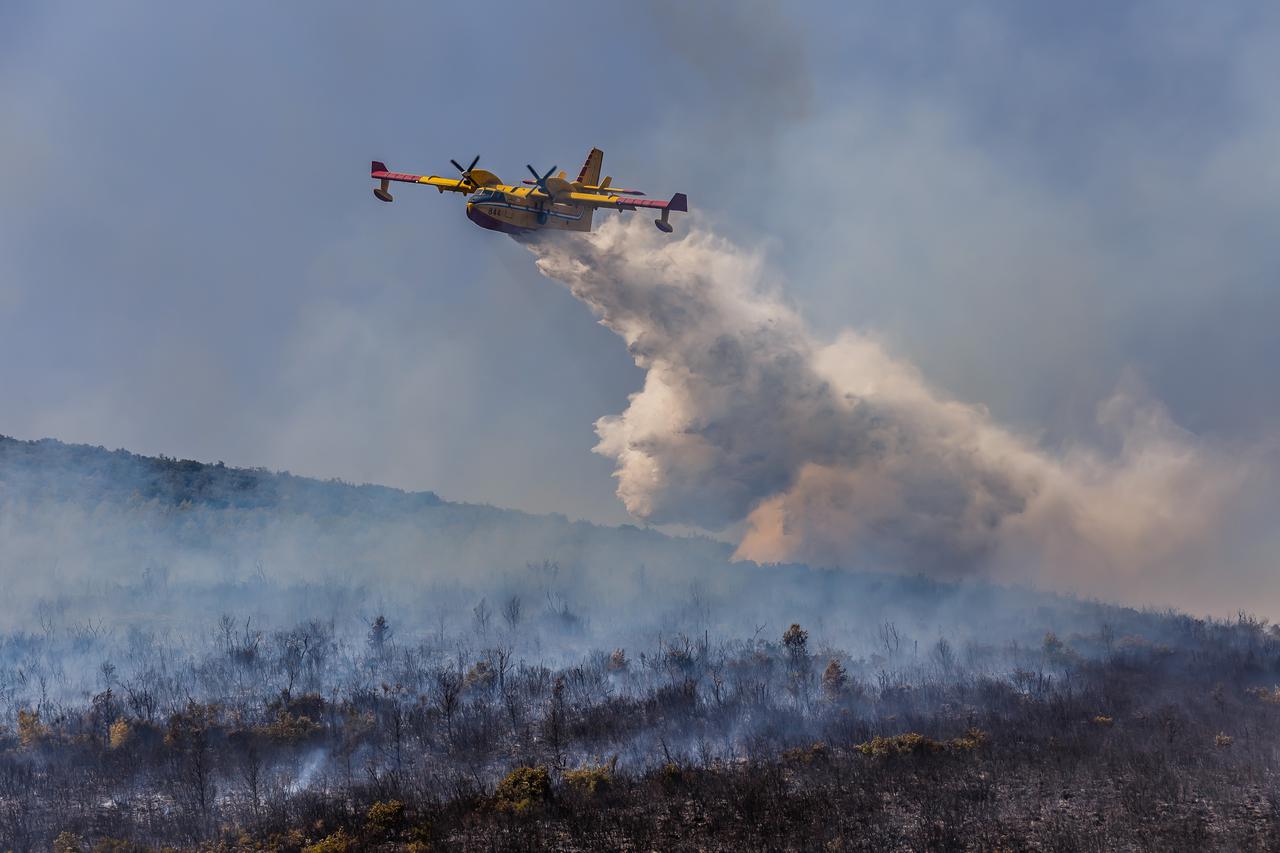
(549, 201)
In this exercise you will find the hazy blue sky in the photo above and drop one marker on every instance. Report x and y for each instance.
(1034, 202)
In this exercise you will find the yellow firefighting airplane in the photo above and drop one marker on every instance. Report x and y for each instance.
(547, 201)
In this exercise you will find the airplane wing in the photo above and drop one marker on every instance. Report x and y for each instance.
(678, 202)
(379, 172)
(600, 190)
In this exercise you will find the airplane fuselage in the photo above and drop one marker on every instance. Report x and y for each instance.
(516, 213)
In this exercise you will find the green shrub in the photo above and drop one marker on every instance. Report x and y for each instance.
(524, 789)
(972, 739)
(384, 818)
(118, 845)
(30, 730)
(912, 743)
(588, 780)
(338, 842)
(68, 842)
(816, 753)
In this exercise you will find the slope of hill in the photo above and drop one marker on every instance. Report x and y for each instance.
(100, 533)
(201, 654)
(99, 525)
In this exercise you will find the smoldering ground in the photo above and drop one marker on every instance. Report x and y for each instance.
(838, 452)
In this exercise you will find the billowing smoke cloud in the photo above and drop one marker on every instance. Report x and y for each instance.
(841, 453)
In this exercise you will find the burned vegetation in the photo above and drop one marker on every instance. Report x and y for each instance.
(692, 705)
(305, 740)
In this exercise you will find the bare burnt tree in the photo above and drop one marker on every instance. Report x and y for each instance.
(379, 634)
(512, 612)
(481, 614)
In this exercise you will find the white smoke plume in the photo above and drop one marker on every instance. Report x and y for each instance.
(840, 453)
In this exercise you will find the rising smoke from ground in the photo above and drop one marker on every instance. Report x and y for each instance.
(840, 453)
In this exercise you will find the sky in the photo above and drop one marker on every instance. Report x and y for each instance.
(1034, 204)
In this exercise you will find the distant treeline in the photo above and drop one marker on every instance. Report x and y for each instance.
(76, 472)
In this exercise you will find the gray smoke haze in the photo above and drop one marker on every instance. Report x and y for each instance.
(105, 552)
(745, 73)
(839, 453)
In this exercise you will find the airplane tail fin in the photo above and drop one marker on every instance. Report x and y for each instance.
(590, 174)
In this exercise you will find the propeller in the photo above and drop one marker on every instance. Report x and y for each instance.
(466, 173)
(541, 180)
